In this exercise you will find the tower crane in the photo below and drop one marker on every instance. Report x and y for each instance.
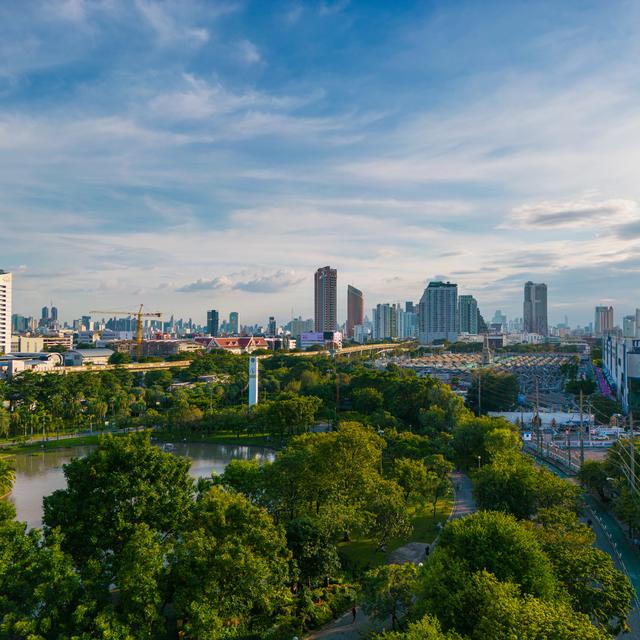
(139, 315)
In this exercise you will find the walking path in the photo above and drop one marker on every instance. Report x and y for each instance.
(345, 627)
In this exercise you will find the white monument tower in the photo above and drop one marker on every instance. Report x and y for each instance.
(253, 381)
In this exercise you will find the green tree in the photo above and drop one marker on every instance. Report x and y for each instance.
(313, 549)
(125, 482)
(367, 400)
(428, 628)
(596, 587)
(593, 476)
(389, 515)
(231, 567)
(7, 476)
(39, 587)
(412, 476)
(118, 357)
(496, 391)
(387, 591)
(498, 543)
(141, 578)
(471, 440)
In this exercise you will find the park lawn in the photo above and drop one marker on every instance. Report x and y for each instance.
(362, 551)
(50, 444)
(222, 437)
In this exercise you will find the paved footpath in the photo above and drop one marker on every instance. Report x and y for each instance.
(344, 628)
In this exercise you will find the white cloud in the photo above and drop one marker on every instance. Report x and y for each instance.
(249, 52)
(168, 29)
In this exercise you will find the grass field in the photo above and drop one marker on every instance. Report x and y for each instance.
(224, 437)
(362, 551)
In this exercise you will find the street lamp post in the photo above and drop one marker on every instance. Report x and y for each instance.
(479, 460)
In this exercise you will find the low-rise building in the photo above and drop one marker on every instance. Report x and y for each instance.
(15, 363)
(59, 340)
(324, 339)
(240, 344)
(168, 347)
(82, 357)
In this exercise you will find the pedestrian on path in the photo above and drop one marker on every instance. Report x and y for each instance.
(354, 612)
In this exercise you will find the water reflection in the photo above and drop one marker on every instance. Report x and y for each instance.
(39, 474)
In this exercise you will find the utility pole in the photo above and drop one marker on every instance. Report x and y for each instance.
(581, 432)
(537, 419)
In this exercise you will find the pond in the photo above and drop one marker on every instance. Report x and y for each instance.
(39, 474)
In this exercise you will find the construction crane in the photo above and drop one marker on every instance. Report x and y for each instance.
(139, 315)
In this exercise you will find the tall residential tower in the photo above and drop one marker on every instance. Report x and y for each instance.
(534, 310)
(603, 320)
(5, 311)
(438, 313)
(355, 309)
(326, 286)
(468, 315)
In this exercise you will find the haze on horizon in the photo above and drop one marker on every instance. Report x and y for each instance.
(195, 155)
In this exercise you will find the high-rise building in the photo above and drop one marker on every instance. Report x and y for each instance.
(44, 316)
(534, 313)
(603, 320)
(271, 327)
(387, 321)
(54, 314)
(355, 309)
(326, 285)
(234, 323)
(409, 307)
(438, 313)
(298, 326)
(468, 314)
(500, 319)
(629, 326)
(5, 311)
(213, 322)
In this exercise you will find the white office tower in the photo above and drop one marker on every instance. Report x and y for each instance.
(5, 312)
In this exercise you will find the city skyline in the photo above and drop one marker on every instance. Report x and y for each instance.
(192, 154)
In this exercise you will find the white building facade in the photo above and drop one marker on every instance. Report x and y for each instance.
(621, 362)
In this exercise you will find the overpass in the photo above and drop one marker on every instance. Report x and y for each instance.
(181, 364)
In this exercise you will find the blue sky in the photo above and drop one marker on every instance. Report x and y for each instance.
(195, 155)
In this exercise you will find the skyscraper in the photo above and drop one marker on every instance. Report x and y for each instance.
(44, 317)
(234, 323)
(603, 320)
(468, 314)
(629, 326)
(5, 311)
(326, 285)
(534, 312)
(438, 313)
(213, 322)
(272, 328)
(355, 309)
(54, 314)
